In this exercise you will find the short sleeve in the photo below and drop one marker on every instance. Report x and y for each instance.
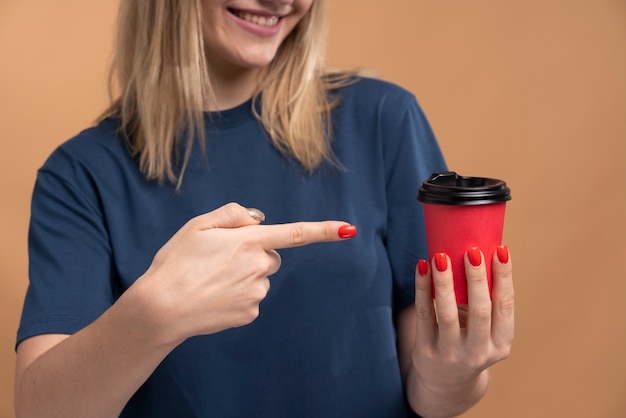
(410, 158)
(70, 267)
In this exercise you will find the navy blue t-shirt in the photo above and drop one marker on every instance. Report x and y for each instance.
(324, 344)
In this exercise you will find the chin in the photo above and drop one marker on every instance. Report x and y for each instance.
(258, 61)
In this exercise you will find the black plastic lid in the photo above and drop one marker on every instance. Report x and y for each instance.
(448, 188)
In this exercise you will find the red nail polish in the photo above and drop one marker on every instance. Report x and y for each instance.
(346, 231)
(474, 256)
(503, 254)
(441, 261)
(422, 267)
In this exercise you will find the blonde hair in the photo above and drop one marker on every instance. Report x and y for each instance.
(163, 82)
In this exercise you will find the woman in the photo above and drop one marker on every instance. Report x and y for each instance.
(149, 292)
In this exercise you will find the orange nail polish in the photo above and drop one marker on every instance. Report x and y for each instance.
(474, 256)
(422, 267)
(503, 254)
(346, 231)
(441, 261)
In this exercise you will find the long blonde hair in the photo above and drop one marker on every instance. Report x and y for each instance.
(163, 82)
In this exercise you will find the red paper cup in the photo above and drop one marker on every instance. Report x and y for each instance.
(461, 213)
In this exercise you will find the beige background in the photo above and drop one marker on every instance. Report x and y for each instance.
(531, 91)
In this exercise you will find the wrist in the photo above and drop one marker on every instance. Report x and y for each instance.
(148, 313)
(446, 397)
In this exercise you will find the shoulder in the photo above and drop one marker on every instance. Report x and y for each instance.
(93, 147)
(376, 104)
(376, 101)
(368, 90)
(95, 160)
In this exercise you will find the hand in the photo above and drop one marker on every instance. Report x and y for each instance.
(455, 344)
(213, 273)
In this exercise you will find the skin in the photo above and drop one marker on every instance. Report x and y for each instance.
(236, 55)
(445, 349)
(95, 371)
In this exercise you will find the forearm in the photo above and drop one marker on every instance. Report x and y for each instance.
(447, 401)
(95, 371)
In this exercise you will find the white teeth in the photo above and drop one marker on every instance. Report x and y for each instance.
(258, 20)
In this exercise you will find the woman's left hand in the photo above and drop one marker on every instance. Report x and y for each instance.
(455, 344)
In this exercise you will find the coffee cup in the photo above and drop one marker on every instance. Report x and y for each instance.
(460, 213)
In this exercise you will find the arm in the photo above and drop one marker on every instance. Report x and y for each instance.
(210, 276)
(93, 372)
(445, 355)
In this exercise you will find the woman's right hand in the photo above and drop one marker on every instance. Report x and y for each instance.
(210, 276)
(213, 273)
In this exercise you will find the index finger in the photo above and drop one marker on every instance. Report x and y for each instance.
(298, 234)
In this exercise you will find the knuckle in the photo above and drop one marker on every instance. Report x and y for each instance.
(249, 315)
(447, 321)
(506, 306)
(450, 357)
(297, 235)
(328, 232)
(258, 290)
(231, 210)
(192, 223)
(443, 287)
(251, 310)
(477, 361)
(427, 353)
(275, 262)
(422, 285)
(481, 314)
(259, 294)
(476, 277)
(423, 312)
(443, 282)
(504, 352)
(262, 266)
(504, 275)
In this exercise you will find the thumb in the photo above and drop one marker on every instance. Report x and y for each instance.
(231, 215)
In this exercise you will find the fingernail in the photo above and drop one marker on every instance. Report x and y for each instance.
(256, 214)
(346, 231)
(503, 254)
(441, 261)
(474, 256)
(422, 267)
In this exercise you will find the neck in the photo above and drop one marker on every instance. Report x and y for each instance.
(231, 87)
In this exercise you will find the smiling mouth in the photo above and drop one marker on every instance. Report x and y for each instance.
(260, 20)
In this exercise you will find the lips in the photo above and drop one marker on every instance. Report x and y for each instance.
(265, 20)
